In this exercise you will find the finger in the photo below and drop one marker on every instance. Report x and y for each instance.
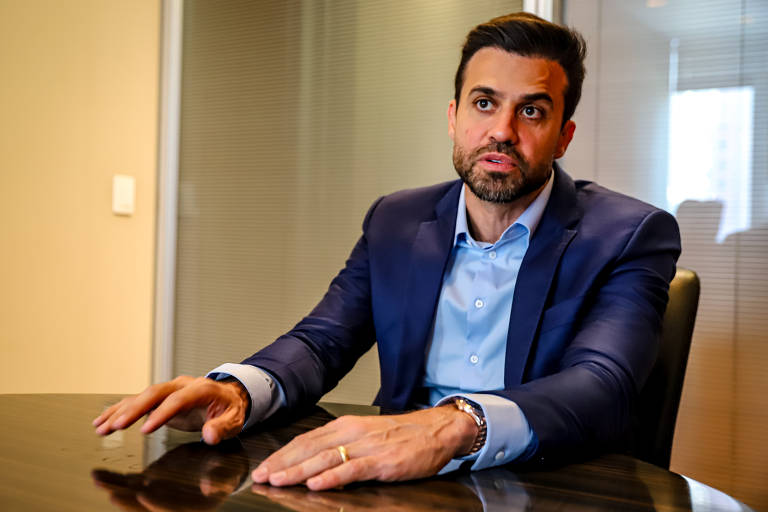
(148, 400)
(339, 431)
(289, 455)
(131, 409)
(107, 426)
(106, 414)
(179, 401)
(356, 470)
(304, 446)
(323, 461)
(226, 425)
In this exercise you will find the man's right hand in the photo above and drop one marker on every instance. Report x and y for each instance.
(186, 403)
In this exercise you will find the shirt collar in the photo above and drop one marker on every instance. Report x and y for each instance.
(529, 219)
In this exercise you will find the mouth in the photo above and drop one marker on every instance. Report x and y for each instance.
(498, 162)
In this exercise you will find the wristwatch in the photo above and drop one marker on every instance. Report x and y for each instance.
(476, 414)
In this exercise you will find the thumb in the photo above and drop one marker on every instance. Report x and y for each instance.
(227, 424)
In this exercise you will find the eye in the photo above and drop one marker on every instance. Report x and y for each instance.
(484, 104)
(532, 112)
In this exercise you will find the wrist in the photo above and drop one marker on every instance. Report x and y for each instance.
(465, 429)
(468, 431)
(473, 414)
(242, 394)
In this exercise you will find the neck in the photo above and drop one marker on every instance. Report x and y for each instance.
(487, 221)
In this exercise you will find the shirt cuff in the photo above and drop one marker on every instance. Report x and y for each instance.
(508, 434)
(266, 394)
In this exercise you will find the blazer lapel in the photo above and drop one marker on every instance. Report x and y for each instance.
(429, 256)
(536, 272)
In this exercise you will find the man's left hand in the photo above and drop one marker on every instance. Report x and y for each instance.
(385, 448)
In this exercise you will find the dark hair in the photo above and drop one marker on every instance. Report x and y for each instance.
(530, 36)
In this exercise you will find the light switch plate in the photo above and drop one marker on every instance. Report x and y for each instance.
(123, 194)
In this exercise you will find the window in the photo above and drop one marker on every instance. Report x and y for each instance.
(675, 111)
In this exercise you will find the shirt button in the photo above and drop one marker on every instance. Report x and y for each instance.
(492, 255)
(499, 455)
(479, 303)
(473, 359)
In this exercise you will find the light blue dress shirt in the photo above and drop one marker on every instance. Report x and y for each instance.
(469, 336)
(467, 349)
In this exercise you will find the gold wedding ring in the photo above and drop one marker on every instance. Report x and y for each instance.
(343, 453)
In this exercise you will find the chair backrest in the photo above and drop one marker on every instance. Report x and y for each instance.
(659, 399)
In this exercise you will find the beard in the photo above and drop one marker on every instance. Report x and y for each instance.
(500, 187)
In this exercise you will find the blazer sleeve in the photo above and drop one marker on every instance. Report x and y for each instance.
(311, 358)
(585, 406)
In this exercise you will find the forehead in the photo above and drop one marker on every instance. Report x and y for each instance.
(514, 75)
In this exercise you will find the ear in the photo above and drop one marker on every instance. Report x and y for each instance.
(566, 134)
(452, 118)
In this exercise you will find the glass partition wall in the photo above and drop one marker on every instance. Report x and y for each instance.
(295, 117)
(675, 111)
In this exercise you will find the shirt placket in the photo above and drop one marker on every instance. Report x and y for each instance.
(479, 298)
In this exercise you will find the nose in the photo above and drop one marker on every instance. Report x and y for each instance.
(504, 128)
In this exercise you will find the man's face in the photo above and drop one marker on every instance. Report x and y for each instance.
(506, 129)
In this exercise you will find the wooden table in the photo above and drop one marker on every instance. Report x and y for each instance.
(52, 460)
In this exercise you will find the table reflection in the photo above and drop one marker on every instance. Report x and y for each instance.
(192, 476)
(195, 476)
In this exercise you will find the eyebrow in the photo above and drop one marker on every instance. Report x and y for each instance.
(539, 96)
(483, 90)
(489, 91)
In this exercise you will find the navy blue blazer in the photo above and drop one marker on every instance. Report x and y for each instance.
(583, 331)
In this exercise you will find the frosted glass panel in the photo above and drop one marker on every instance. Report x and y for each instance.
(296, 116)
(675, 111)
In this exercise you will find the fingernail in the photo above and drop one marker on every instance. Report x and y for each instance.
(260, 475)
(277, 478)
(119, 422)
(210, 436)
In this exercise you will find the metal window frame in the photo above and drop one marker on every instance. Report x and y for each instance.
(167, 190)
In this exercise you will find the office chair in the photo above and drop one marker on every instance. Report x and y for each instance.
(654, 423)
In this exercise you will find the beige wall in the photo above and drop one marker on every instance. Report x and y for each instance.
(78, 103)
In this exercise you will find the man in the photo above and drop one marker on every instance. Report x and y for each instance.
(523, 306)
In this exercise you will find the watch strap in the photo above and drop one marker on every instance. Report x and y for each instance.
(476, 413)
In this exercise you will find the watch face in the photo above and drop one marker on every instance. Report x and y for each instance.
(463, 406)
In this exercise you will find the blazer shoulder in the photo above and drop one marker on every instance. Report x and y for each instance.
(598, 201)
